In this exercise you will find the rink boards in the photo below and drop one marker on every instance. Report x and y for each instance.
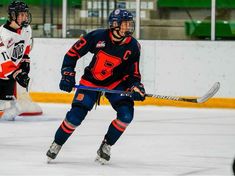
(68, 97)
(171, 68)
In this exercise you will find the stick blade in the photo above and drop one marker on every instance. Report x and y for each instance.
(214, 89)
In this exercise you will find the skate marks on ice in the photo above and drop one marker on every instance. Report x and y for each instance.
(131, 167)
(167, 141)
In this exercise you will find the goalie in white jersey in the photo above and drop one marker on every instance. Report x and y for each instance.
(15, 40)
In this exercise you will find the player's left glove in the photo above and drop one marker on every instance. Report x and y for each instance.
(67, 82)
(25, 64)
(138, 92)
(21, 77)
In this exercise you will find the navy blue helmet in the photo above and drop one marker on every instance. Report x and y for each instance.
(15, 8)
(118, 16)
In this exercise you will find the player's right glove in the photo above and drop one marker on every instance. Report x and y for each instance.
(21, 77)
(68, 79)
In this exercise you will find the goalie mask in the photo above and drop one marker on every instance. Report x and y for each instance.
(14, 10)
(122, 22)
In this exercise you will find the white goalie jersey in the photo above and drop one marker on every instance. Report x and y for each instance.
(14, 47)
(14, 50)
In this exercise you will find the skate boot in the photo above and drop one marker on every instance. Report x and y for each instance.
(53, 151)
(103, 153)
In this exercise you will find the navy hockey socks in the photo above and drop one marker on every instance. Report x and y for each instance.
(116, 128)
(63, 133)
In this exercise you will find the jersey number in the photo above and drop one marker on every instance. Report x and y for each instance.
(104, 65)
(82, 42)
(5, 56)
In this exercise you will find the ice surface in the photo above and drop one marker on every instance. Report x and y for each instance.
(159, 141)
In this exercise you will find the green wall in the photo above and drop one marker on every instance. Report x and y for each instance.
(195, 3)
(47, 2)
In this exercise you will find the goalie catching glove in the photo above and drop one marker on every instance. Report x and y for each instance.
(21, 77)
(25, 64)
(68, 79)
(138, 92)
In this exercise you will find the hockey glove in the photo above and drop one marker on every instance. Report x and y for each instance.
(22, 78)
(25, 64)
(68, 79)
(138, 92)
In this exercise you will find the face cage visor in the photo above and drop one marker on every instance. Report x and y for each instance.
(127, 25)
(14, 16)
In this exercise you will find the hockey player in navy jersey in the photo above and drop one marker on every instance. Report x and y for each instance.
(115, 65)
(15, 40)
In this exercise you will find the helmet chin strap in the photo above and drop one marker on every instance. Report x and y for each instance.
(117, 35)
(18, 23)
(24, 24)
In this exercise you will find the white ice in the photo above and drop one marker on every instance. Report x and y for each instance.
(159, 141)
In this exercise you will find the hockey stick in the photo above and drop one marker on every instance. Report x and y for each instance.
(214, 89)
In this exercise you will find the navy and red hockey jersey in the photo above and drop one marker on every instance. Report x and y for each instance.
(111, 64)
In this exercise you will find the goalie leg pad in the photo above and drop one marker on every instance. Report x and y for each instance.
(9, 109)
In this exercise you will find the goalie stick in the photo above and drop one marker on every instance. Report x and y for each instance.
(214, 89)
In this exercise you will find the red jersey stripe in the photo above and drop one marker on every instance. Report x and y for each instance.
(6, 68)
(27, 50)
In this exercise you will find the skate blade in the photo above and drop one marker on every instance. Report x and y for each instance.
(100, 160)
(49, 160)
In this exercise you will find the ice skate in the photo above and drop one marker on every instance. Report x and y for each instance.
(103, 153)
(53, 152)
(11, 110)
